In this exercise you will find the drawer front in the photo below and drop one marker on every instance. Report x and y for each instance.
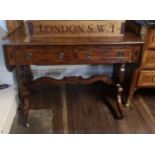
(74, 54)
(151, 39)
(147, 78)
(9, 53)
(44, 55)
(105, 55)
(149, 58)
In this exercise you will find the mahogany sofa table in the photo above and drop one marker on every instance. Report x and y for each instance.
(21, 52)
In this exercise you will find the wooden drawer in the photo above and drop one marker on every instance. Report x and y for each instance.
(45, 55)
(149, 58)
(147, 78)
(72, 54)
(151, 38)
(104, 54)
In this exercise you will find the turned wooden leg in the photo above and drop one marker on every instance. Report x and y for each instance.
(120, 104)
(26, 104)
(24, 79)
(130, 97)
(133, 86)
(119, 100)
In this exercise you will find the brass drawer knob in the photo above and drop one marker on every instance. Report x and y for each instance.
(89, 55)
(61, 55)
(153, 79)
(119, 54)
(153, 38)
(29, 56)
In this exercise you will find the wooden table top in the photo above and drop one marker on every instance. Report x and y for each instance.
(19, 37)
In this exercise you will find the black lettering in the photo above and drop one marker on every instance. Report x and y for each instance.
(42, 28)
(64, 28)
(80, 28)
(72, 29)
(47, 28)
(113, 27)
(56, 28)
(90, 28)
(101, 28)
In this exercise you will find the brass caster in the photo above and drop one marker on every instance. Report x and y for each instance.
(128, 104)
(27, 125)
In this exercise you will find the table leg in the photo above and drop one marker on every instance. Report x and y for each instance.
(120, 90)
(133, 86)
(24, 77)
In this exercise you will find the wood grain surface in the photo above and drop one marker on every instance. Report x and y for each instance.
(88, 109)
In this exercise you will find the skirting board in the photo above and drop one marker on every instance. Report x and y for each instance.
(8, 108)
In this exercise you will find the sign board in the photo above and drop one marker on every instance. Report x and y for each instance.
(76, 28)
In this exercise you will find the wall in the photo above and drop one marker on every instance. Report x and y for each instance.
(8, 97)
(3, 29)
(5, 76)
(3, 32)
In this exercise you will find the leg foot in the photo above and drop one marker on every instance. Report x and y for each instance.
(27, 125)
(130, 97)
(128, 104)
(119, 101)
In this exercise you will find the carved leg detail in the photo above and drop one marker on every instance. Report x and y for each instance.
(120, 104)
(119, 100)
(26, 105)
(24, 79)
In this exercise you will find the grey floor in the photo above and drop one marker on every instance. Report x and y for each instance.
(40, 122)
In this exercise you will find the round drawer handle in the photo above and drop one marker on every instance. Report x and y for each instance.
(153, 79)
(136, 53)
(61, 55)
(29, 56)
(119, 54)
(89, 55)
